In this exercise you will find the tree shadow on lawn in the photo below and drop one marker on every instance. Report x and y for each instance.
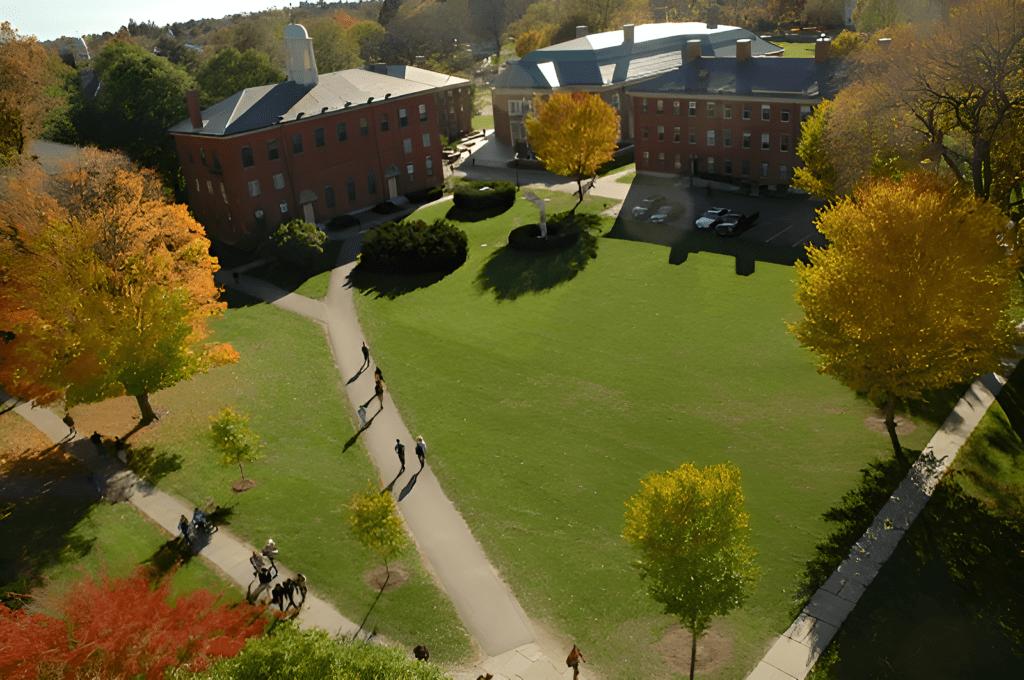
(236, 299)
(152, 465)
(36, 534)
(510, 273)
(289, 276)
(390, 286)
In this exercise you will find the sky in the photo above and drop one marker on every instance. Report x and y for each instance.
(50, 19)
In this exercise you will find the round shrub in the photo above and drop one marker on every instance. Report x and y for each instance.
(484, 195)
(414, 247)
(297, 242)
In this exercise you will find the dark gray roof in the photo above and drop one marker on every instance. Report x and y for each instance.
(259, 107)
(782, 76)
(603, 58)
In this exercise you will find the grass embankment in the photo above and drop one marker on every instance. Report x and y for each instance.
(287, 381)
(796, 50)
(544, 412)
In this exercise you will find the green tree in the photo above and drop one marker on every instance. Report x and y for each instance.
(229, 72)
(110, 285)
(818, 175)
(141, 97)
(573, 133)
(335, 50)
(233, 440)
(375, 523)
(690, 532)
(298, 242)
(288, 652)
(369, 35)
(915, 292)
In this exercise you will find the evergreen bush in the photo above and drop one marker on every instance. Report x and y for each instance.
(414, 247)
(484, 195)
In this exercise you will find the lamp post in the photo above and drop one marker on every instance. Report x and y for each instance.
(517, 172)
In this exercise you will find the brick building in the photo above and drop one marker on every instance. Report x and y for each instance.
(316, 146)
(605, 64)
(737, 117)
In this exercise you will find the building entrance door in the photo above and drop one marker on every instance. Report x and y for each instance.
(307, 213)
(392, 187)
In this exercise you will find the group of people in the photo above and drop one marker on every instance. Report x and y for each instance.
(421, 446)
(266, 574)
(421, 452)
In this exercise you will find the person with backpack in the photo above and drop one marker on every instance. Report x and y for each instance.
(573, 661)
(421, 451)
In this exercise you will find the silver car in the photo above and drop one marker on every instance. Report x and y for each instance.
(646, 205)
(711, 218)
(664, 212)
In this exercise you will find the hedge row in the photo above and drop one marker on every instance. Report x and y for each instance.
(414, 247)
(484, 195)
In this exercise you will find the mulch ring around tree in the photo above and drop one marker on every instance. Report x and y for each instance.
(375, 578)
(242, 485)
(713, 650)
(876, 423)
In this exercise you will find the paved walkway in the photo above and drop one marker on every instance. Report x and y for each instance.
(226, 552)
(793, 655)
(484, 603)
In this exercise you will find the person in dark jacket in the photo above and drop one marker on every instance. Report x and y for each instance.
(400, 450)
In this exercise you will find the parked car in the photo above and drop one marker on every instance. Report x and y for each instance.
(711, 218)
(662, 215)
(646, 205)
(734, 224)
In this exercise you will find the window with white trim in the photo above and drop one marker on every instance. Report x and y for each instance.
(693, 109)
(254, 188)
(784, 115)
(661, 133)
(407, 145)
(766, 141)
(766, 111)
(711, 137)
(746, 112)
(426, 139)
(727, 138)
(279, 181)
(746, 140)
(764, 169)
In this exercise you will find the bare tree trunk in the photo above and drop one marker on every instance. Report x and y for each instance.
(387, 570)
(693, 648)
(579, 183)
(241, 471)
(890, 425)
(148, 415)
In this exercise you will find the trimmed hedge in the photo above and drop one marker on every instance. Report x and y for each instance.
(484, 195)
(414, 247)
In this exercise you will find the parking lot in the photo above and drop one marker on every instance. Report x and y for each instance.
(779, 235)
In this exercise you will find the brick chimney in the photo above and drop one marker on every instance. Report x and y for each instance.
(822, 46)
(301, 61)
(194, 114)
(743, 49)
(692, 51)
(627, 34)
(581, 31)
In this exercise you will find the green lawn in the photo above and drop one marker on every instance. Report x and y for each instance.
(627, 178)
(288, 382)
(119, 538)
(797, 50)
(544, 412)
(483, 122)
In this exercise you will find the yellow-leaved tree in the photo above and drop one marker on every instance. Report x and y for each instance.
(573, 133)
(105, 286)
(916, 291)
(690, 532)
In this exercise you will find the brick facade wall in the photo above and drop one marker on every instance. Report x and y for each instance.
(671, 140)
(231, 215)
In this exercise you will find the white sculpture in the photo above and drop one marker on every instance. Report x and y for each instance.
(539, 202)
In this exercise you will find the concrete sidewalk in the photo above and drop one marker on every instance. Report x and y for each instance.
(793, 655)
(225, 552)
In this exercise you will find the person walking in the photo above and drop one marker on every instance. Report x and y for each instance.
(366, 357)
(270, 550)
(400, 450)
(377, 375)
(421, 451)
(379, 391)
(300, 585)
(265, 577)
(573, 661)
(183, 527)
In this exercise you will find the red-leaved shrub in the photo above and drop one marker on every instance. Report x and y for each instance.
(123, 628)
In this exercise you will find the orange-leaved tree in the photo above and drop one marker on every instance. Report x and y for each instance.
(105, 286)
(917, 291)
(123, 628)
(573, 133)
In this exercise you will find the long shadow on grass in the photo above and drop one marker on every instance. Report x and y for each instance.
(509, 273)
(152, 465)
(36, 532)
(390, 286)
(172, 553)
